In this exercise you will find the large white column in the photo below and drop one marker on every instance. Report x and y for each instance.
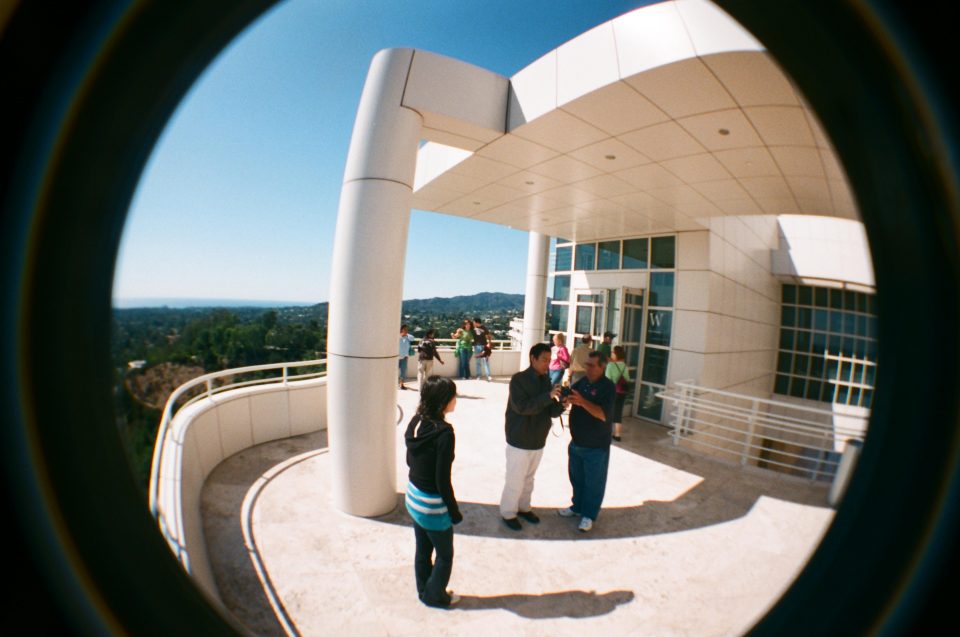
(535, 299)
(366, 291)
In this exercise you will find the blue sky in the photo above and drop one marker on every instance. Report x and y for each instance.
(239, 198)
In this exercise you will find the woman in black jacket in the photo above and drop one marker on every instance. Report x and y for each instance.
(430, 500)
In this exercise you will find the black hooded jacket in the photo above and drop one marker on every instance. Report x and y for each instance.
(430, 445)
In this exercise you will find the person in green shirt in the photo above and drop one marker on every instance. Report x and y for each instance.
(464, 348)
(604, 347)
(618, 373)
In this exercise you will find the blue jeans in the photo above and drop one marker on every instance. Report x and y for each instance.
(464, 365)
(480, 362)
(588, 476)
(433, 575)
(403, 368)
(556, 375)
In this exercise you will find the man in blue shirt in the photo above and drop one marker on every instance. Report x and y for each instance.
(589, 452)
(406, 341)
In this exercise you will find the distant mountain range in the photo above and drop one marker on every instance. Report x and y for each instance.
(464, 304)
(482, 302)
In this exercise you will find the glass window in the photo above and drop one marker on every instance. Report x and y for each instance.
(836, 343)
(813, 389)
(563, 259)
(658, 327)
(788, 316)
(816, 366)
(634, 254)
(845, 370)
(820, 297)
(836, 299)
(608, 255)
(561, 287)
(861, 302)
(655, 365)
(866, 398)
(789, 294)
(798, 387)
(849, 323)
(585, 319)
(819, 342)
(662, 252)
(558, 318)
(782, 385)
(801, 363)
(585, 256)
(803, 341)
(836, 322)
(868, 375)
(784, 362)
(649, 405)
(633, 357)
(820, 320)
(805, 295)
(590, 298)
(559, 241)
(661, 289)
(786, 339)
(843, 392)
(861, 325)
(849, 300)
(872, 304)
(804, 317)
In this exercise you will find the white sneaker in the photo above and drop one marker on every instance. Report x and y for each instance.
(454, 598)
(585, 525)
(566, 513)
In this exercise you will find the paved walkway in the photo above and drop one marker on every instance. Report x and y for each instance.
(685, 545)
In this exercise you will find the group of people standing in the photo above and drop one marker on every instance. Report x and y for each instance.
(473, 339)
(534, 401)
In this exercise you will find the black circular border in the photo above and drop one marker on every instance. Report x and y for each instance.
(89, 86)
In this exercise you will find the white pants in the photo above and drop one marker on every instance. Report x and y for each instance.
(518, 485)
(424, 371)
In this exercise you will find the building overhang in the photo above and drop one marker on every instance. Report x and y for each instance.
(661, 120)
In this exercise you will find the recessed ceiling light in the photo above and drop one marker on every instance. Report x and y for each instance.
(529, 183)
(610, 157)
(723, 131)
(476, 203)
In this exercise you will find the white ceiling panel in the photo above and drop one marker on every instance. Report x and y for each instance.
(722, 190)
(682, 89)
(739, 206)
(697, 168)
(663, 141)
(748, 162)
(798, 161)
(753, 78)
(516, 151)
(638, 201)
(616, 108)
(767, 187)
(781, 125)
(606, 186)
(778, 206)
(649, 176)
(530, 182)
(483, 169)
(560, 131)
(809, 187)
(566, 169)
(569, 194)
(722, 130)
(610, 155)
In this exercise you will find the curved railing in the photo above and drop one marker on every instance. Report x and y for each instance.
(207, 381)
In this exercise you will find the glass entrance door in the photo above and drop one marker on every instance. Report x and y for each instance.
(630, 333)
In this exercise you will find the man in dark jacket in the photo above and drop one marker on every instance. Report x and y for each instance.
(531, 406)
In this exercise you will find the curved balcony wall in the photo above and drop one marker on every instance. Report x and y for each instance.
(226, 420)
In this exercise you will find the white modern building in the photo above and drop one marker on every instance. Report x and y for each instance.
(678, 192)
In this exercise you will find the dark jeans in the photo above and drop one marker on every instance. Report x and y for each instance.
(464, 366)
(432, 576)
(588, 476)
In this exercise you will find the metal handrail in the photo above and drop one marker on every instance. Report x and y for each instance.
(207, 381)
(732, 427)
(499, 345)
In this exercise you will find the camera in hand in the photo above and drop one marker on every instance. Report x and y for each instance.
(565, 391)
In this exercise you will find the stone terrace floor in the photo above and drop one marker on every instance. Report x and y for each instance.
(684, 545)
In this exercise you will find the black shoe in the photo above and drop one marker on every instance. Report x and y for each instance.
(529, 516)
(513, 524)
(617, 438)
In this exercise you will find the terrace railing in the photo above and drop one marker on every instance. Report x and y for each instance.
(770, 434)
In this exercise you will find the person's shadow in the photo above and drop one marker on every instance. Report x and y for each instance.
(550, 605)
